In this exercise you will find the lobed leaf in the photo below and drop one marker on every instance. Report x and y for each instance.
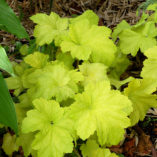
(54, 80)
(141, 37)
(83, 46)
(9, 144)
(54, 136)
(139, 91)
(92, 149)
(48, 28)
(88, 15)
(150, 65)
(93, 72)
(36, 60)
(102, 110)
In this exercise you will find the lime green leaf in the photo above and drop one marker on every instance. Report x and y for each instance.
(66, 59)
(59, 82)
(131, 42)
(119, 65)
(141, 37)
(25, 103)
(102, 110)
(14, 83)
(150, 65)
(119, 28)
(75, 42)
(53, 138)
(48, 27)
(92, 149)
(148, 29)
(21, 112)
(24, 49)
(93, 72)
(82, 45)
(89, 15)
(36, 60)
(7, 110)
(139, 91)
(25, 141)
(9, 144)
(118, 83)
(4, 62)
(152, 6)
(142, 20)
(17, 82)
(10, 22)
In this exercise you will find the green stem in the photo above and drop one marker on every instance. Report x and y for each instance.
(51, 2)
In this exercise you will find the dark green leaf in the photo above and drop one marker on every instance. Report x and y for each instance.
(7, 110)
(10, 22)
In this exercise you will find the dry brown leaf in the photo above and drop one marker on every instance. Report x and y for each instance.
(129, 148)
(144, 146)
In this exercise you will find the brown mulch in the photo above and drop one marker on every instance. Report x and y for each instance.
(111, 12)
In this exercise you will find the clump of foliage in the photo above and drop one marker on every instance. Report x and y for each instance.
(72, 93)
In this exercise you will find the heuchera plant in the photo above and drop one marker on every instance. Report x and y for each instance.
(75, 91)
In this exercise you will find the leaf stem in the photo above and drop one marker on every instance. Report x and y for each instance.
(76, 152)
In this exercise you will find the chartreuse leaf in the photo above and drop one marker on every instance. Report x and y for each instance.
(83, 46)
(10, 22)
(153, 7)
(16, 82)
(59, 82)
(36, 60)
(4, 62)
(119, 28)
(9, 144)
(142, 19)
(139, 91)
(7, 110)
(89, 15)
(92, 149)
(25, 141)
(24, 49)
(48, 27)
(102, 110)
(93, 72)
(54, 129)
(142, 37)
(66, 59)
(117, 68)
(150, 65)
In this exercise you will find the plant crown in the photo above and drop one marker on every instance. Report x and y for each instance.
(74, 91)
